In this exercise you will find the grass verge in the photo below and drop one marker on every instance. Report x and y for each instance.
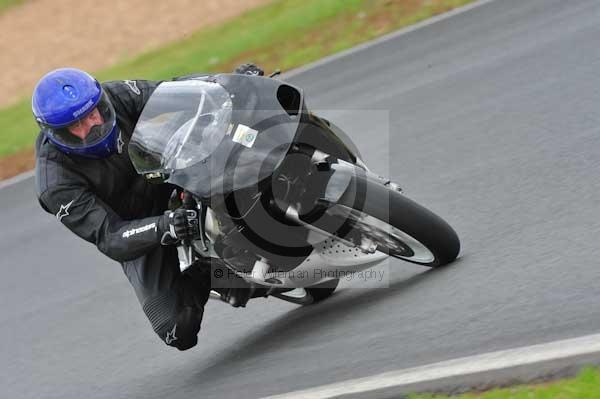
(4, 4)
(586, 385)
(284, 34)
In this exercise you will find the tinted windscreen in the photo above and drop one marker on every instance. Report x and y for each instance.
(182, 123)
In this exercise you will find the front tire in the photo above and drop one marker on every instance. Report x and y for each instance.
(399, 226)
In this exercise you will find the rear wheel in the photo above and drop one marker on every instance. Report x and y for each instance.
(323, 291)
(309, 295)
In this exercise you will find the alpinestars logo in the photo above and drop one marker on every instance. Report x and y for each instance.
(64, 211)
(129, 233)
(171, 335)
(120, 144)
(133, 86)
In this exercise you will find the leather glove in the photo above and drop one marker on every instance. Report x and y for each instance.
(249, 69)
(177, 225)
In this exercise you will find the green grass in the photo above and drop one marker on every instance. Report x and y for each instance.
(4, 4)
(18, 128)
(585, 386)
(284, 34)
(278, 24)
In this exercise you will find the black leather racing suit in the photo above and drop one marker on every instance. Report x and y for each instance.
(105, 202)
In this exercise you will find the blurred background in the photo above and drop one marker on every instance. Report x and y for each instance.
(140, 39)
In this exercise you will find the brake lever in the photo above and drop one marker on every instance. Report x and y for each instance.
(188, 204)
(275, 73)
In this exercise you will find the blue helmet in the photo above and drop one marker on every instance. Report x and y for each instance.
(64, 97)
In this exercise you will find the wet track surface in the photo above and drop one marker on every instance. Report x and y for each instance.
(490, 118)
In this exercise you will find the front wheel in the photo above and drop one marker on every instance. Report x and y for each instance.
(399, 226)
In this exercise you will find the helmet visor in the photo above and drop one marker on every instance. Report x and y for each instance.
(87, 131)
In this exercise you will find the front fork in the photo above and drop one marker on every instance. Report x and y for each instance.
(339, 179)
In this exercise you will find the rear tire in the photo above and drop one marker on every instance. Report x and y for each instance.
(322, 291)
(313, 294)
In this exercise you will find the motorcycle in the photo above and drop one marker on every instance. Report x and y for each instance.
(282, 195)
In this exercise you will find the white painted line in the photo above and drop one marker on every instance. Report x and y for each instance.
(385, 38)
(16, 179)
(334, 57)
(453, 368)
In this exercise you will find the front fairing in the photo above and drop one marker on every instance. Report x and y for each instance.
(260, 129)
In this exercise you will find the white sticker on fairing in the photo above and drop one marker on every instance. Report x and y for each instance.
(129, 233)
(133, 86)
(245, 135)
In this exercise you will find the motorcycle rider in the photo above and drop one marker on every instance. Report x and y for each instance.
(85, 178)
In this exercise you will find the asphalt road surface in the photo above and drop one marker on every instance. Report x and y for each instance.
(490, 118)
